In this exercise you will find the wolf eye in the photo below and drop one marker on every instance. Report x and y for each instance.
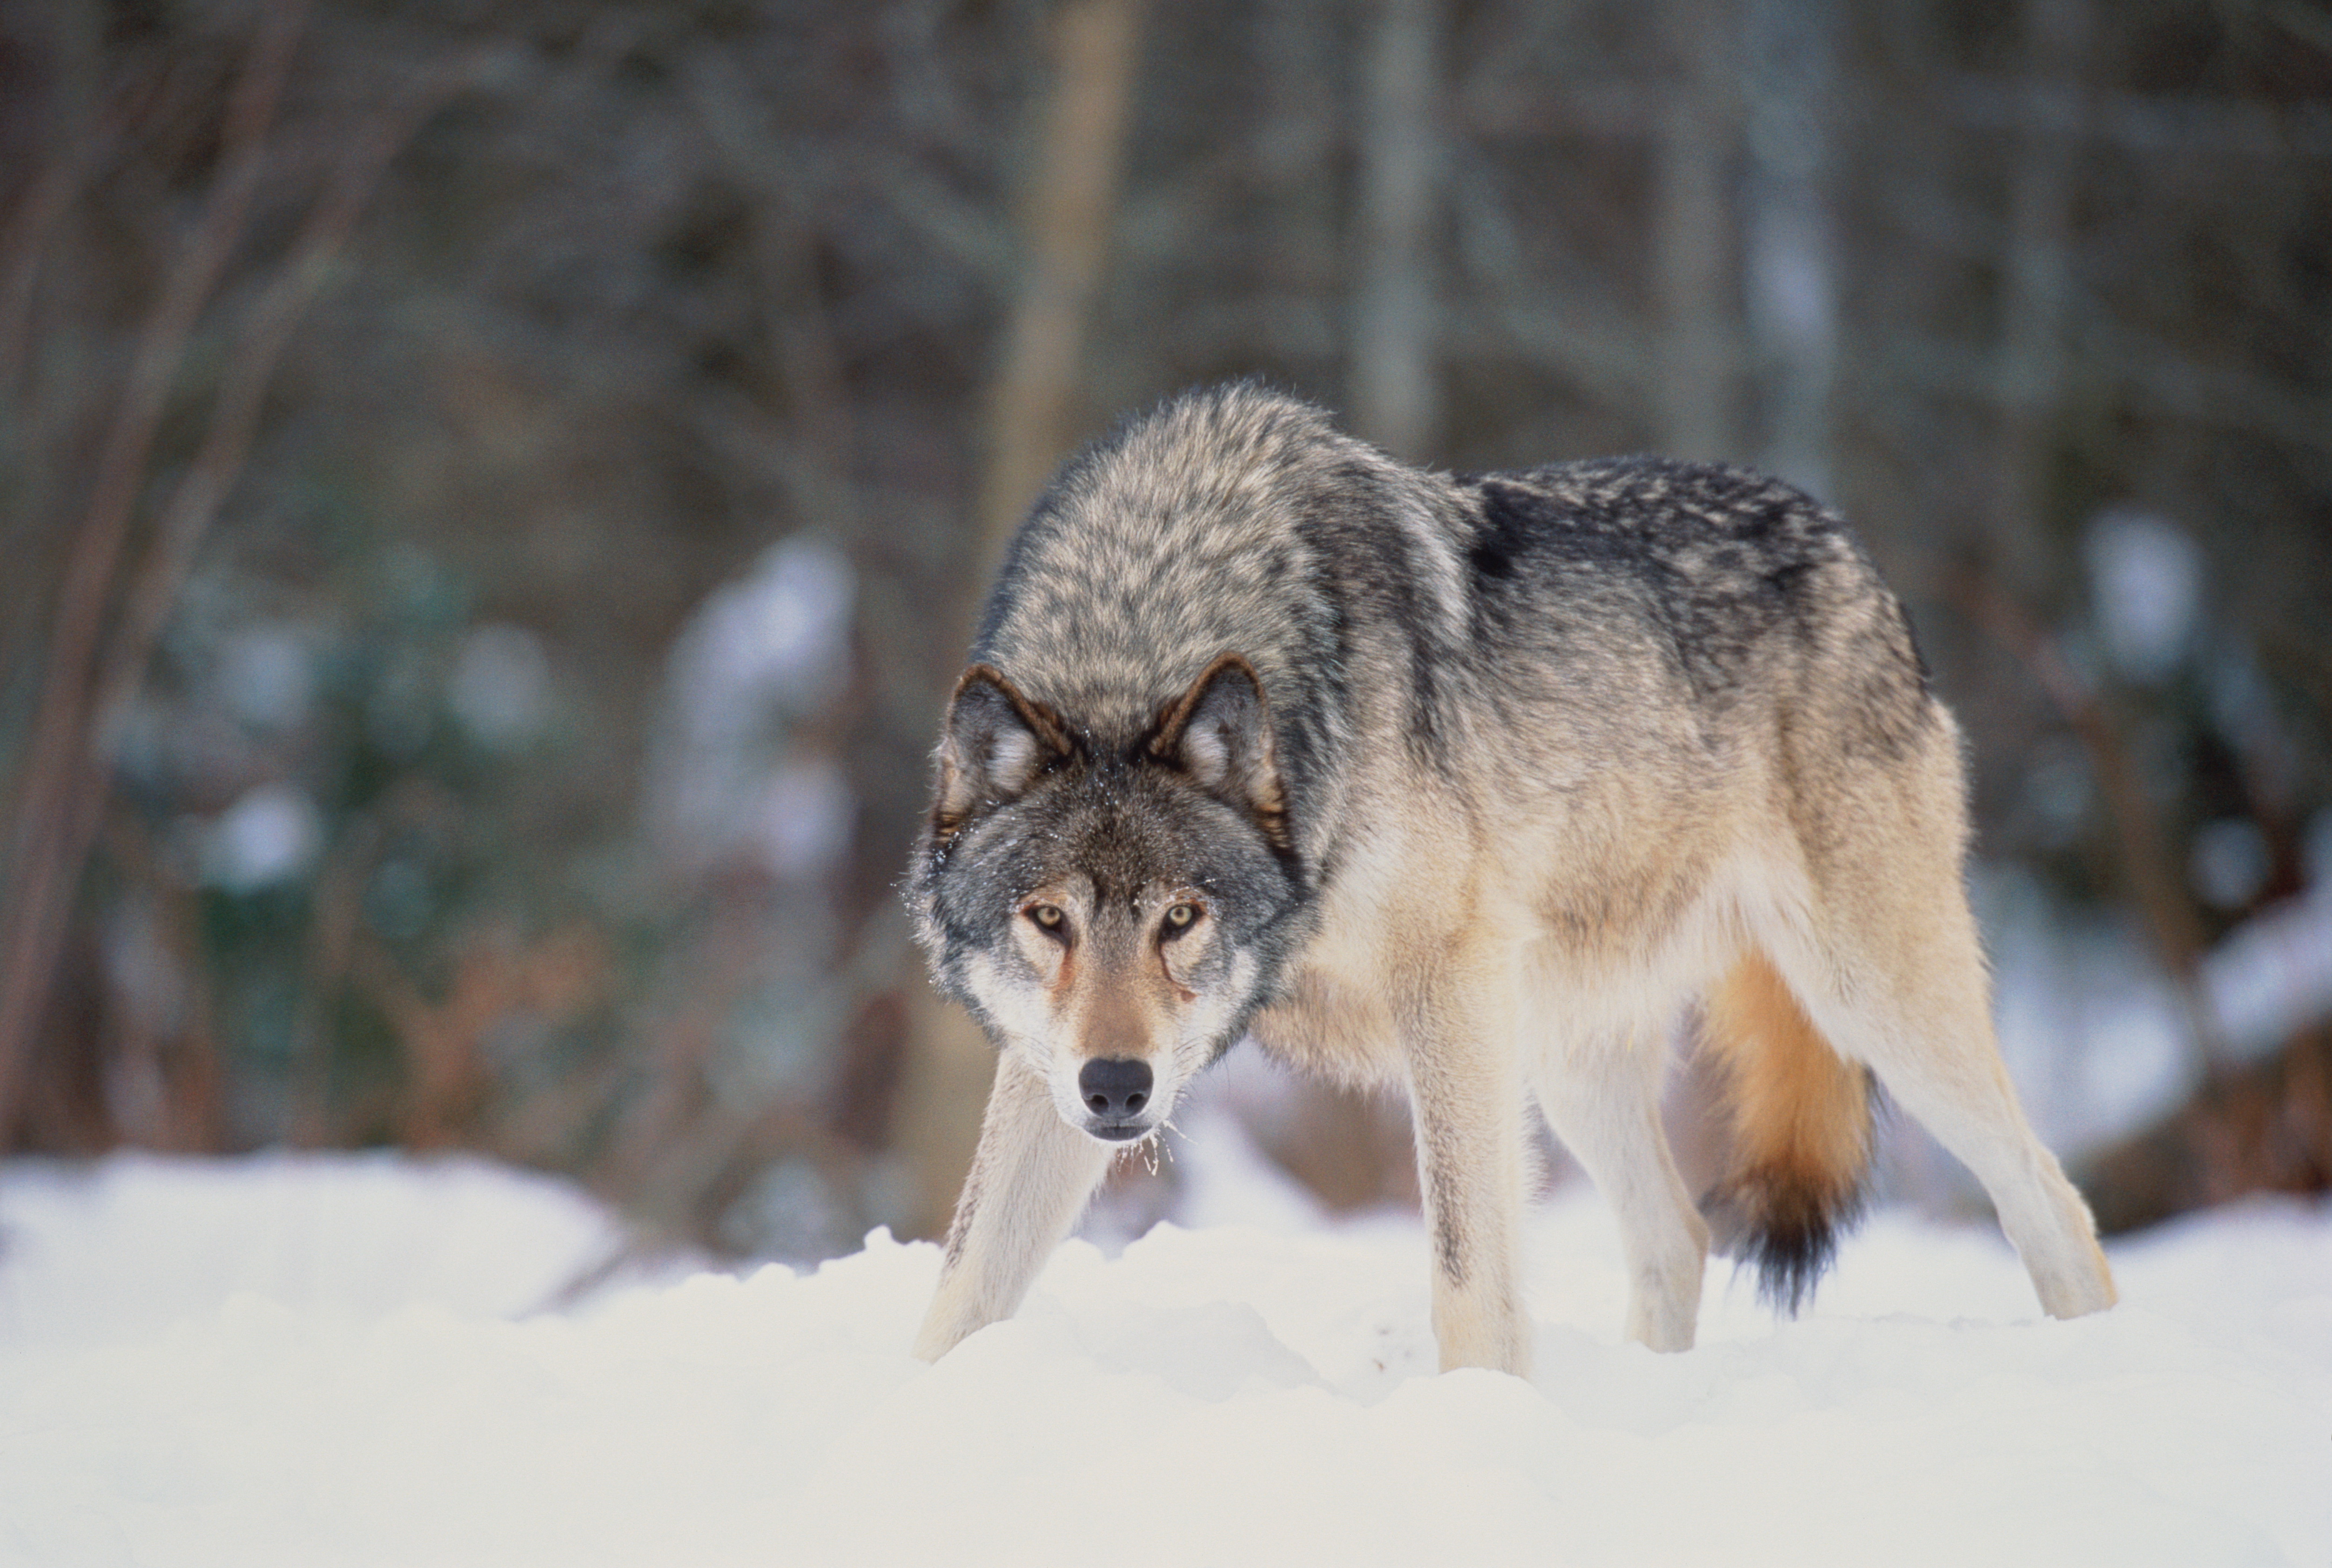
(1180, 917)
(1048, 916)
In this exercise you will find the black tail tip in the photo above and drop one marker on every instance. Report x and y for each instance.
(1788, 1234)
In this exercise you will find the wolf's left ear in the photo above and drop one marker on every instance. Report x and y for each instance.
(996, 745)
(1220, 733)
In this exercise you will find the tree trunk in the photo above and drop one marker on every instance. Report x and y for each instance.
(1070, 208)
(1789, 273)
(1396, 391)
(1033, 419)
(1695, 388)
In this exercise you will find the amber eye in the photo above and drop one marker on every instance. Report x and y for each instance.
(1180, 917)
(1048, 916)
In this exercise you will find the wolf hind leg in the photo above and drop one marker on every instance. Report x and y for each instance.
(1603, 1099)
(1030, 1178)
(1897, 982)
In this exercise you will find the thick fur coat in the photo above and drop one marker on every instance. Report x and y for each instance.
(1469, 783)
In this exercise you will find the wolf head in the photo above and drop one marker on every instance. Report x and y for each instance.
(1111, 909)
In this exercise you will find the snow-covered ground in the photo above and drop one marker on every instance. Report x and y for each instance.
(321, 1361)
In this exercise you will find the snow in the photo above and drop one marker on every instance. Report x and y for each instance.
(725, 776)
(2146, 575)
(334, 1360)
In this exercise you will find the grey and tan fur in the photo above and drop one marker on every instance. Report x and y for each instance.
(1469, 782)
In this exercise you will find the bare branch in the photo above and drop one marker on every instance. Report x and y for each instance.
(53, 814)
(2146, 861)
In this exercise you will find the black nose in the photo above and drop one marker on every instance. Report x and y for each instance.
(1116, 1087)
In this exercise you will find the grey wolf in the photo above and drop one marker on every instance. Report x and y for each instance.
(1468, 782)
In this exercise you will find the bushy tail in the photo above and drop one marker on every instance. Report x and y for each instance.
(1801, 1132)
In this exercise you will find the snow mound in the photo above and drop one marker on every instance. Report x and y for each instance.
(127, 1246)
(322, 1363)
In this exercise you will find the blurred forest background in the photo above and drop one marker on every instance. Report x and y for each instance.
(497, 493)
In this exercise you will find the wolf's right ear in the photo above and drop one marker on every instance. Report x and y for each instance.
(996, 744)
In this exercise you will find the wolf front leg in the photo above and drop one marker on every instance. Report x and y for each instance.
(1029, 1180)
(1466, 1088)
